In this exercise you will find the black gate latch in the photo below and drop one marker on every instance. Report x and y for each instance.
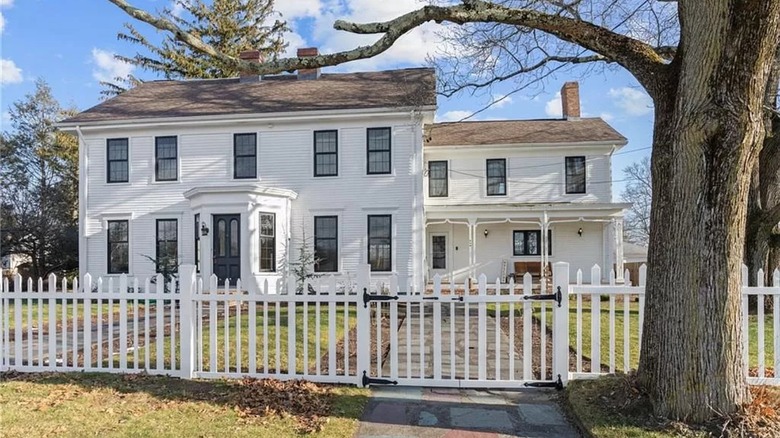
(556, 296)
(557, 384)
(371, 381)
(367, 297)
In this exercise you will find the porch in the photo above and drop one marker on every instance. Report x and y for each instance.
(506, 241)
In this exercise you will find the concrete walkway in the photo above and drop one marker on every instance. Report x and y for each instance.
(441, 412)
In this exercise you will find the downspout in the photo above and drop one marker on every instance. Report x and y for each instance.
(83, 200)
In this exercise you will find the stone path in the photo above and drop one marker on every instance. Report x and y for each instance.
(412, 345)
(439, 412)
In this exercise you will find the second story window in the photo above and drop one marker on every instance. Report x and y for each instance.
(438, 186)
(166, 159)
(378, 150)
(326, 153)
(245, 156)
(575, 174)
(496, 177)
(117, 164)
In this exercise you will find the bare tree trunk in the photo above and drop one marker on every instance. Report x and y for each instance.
(709, 128)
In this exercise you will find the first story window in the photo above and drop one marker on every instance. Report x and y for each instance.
(118, 247)
(575, 175)
(378, 151)
(439, 252)
(437, 179)
(496, 177)
(267, 242)
(245, 156)
(197, 242)
(166, 154)
(529, 242)
(326, 153)
(380, 236)
(167, 245)
(118, 169)
(326, 243)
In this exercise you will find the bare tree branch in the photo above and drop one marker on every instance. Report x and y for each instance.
(638, 57)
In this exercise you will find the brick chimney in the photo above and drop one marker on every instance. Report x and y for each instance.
(308, 73)
(570, 100)
(251, 56)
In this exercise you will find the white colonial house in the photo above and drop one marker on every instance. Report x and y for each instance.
(237, 175)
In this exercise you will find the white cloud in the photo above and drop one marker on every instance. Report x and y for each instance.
(634, 102)
(294, 42)
(501, 100)
(6, 3)
(107, 68)
(454, 116)
(9, 72)
(176, 8)
(294, 9)
(553, 106)
(2, 22)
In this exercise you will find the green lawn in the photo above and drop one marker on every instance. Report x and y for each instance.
(106, 405)
(305, 357)
(27, 307)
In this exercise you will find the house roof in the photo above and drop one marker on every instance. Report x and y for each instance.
(413, 87)
(544, 131)
(634, 253)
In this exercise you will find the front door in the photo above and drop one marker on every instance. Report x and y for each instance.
(227, 247)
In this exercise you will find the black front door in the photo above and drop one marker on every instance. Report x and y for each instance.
(227, 247)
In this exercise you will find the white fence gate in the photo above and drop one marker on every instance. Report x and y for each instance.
(366, 332)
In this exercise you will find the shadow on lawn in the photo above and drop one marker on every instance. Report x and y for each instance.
(308, 403)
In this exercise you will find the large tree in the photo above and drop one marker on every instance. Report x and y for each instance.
(709, 126)
(39, 193)
(230, 26)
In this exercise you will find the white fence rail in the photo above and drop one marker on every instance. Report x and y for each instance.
(486, 334)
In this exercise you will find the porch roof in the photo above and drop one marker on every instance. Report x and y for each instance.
(526, 210)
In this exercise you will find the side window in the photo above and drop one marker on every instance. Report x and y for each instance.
(326, 243)
(496, 177)
(267, 242)
(245, 156)
(118, 247)
(380, 238)
(117, 168)
(167, 245)
(197, 242)
(575, 175)
(326, 153)
(378, 150)
(166, 167)
(438, 186)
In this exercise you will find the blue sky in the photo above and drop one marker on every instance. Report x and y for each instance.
(70, 45)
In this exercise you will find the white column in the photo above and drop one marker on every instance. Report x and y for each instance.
(618, 225)
(472, 247)
(545, 242)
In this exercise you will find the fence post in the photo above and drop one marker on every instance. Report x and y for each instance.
(186, 291)
(560, 362)
(363, 340)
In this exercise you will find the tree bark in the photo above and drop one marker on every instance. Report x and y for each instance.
(709, 129)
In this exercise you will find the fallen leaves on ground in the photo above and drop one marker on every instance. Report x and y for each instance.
(308, 403)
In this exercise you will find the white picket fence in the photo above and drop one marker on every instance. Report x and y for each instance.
(494, 335)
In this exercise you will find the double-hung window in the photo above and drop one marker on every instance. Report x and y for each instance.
(326, 153)
(496, 177)
(438, 185)
(167, 245)
(575, 175)
(118, 247)
(166, 159)
(197, 242)
(326, 243)
(267, 242)
(117, 160)
(245, 156)
(378, 150)
(529, 242)
(380, 238)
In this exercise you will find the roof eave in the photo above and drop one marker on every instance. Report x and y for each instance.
(608, 143)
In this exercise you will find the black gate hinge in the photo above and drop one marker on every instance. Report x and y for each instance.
(556, 296)
(372, 381)
(367, 297)
(557, 384)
